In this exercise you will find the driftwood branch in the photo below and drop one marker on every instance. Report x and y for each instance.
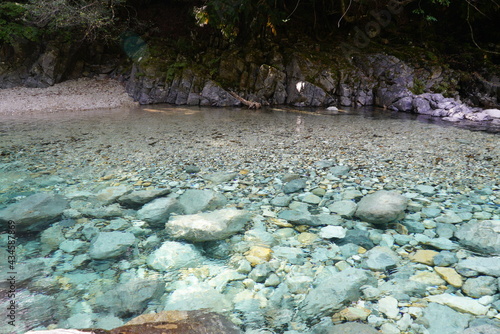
(249, 104)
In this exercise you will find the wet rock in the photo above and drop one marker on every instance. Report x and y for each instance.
(428, 278)
(402, 288)
(197, 297)
(110, 244)
(216, 225)
(330, 293)
(329, 232)
(480, 286)
(111, 194)
(281, 201)
(220, 177)
(297, 217)
(260, 273)
(51, 237)
(461, 304)
(339, 170)
(195, 200)
(485, 265)
(450, 275)
(294, 185)
(130, 297)
(174, 255)
(352, 314)
(352, 327)
(449, 217)
(157, 212)
(482, 329)
(34, 213)
(389, 306)
(380, 259)
(258, 254)
(138, 198)
(440, 319)
(32, 310)
(424, 256)
(481, 236)
(381, 207)
(179, 322)
(343, 208)
(357, 237)
(290, 254)
(26, 272)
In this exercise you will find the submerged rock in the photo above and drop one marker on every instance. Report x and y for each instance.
(195, 200)
(331, 293)
(381, 207)
(158, 211)
(110, 244)
(136, 199)
(481, 236)
(216, 225)
(34, 213)
(179, 322)
(174, 255)
(130, 297)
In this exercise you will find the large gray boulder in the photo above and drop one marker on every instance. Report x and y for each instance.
(157, 212)
(331, 293)
(382, 207)
(216, 225)
(195, 200)
(110, 244)
(34, 213)
(481, 236)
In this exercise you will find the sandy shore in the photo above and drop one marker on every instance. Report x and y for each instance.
(81, 94)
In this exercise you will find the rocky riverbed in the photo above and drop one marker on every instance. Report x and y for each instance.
(282, 222)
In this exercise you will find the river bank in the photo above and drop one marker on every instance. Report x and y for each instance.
(81, 94)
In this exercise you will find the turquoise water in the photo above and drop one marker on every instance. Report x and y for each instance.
(80, 154)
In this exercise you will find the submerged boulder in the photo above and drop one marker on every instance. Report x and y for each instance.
(34, 213)
(216, 225)
(382, 207)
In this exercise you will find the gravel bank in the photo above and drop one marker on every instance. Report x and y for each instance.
(81, 94)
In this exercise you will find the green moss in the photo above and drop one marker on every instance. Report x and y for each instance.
(418, 87)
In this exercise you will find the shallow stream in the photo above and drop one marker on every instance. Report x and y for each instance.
(82, 154)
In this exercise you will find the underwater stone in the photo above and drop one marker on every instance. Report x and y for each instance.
(381, 207)
(34, 213)
(216, 225)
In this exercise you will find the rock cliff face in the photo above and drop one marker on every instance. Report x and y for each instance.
(293, 78)
(277, 76)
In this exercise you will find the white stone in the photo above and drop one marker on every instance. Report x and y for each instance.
(495, 113)
(404, 322)
(389, 306)
(329, 232)
(332, 108)
(389, 328)
(215, 225)
(486, 300)
(461, 304)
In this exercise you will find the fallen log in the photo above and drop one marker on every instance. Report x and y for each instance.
(250, 104)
